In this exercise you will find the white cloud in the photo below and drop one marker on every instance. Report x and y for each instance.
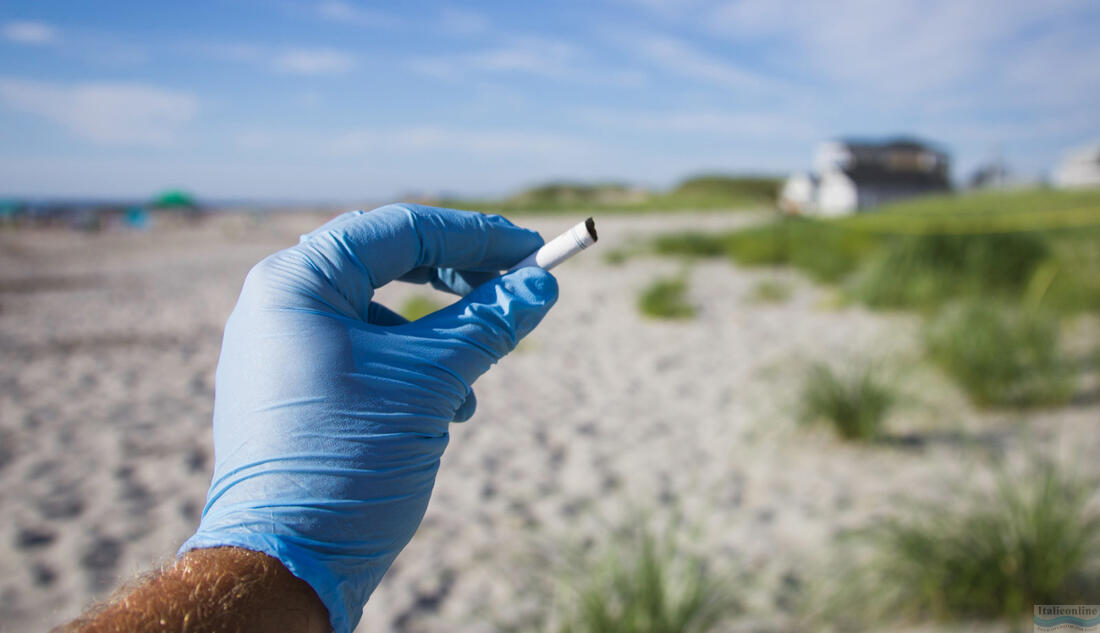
(349, 13)
(897, 48)
(678, 57)
(292, 60)
(739, 125)
(1056, 70)
(105, 113)
(463, 23)
(418, 139)
(237, 52)
(317, 61)
(26, 32)
(539, 56)
(667, 8)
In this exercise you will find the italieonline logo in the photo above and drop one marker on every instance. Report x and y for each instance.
(1067, 617)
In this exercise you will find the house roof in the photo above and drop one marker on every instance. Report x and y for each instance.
(896, 142)
(877, 175)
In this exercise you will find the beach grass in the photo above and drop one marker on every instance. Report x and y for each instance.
(644, 583)
(930, 251)
(691, 244)
(995, 244)
(821, 250)
(666, 298)
(705, 192)
(817, 248)
(770, 291)
(854, 401)
(924, 271)
(1023, 260)
(1001, 354)
(1032, 540)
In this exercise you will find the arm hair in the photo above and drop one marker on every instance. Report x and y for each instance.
(216, 590)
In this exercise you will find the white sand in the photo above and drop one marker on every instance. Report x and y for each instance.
(108, 345)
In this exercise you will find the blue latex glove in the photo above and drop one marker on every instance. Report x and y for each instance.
(332, 411)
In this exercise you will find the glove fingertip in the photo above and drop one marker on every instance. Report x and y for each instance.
(536, 291)
(466, 409)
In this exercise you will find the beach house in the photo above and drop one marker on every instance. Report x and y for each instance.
(1080, 168)
(854, 175)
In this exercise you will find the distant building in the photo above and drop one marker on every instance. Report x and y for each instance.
(854, 175)
(1080, 168)
(992, 175)
(798, 193)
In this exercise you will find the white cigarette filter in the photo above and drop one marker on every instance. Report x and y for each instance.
(561, 247)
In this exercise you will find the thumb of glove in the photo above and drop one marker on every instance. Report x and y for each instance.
(486, 324)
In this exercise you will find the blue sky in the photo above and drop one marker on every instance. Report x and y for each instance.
(336, 100)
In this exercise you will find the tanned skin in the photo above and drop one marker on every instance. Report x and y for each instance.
(216, 590)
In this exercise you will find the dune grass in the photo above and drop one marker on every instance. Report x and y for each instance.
(1000, 354)
(819, 249)
(702, 192)
(924, 271)
(692, 244)
(1032, 540)
(924, 253)
(1030, 253)
(985, 211)
(418, 306)
(770, 291)
(729, 186)
(666, 298)
(1074, 285)
(854, 401)
(643, 583)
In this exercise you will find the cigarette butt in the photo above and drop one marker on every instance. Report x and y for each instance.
(561, 247)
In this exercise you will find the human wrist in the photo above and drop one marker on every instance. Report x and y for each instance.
(213, 589)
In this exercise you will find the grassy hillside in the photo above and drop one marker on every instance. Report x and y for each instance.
(925, 252)
(704, 192)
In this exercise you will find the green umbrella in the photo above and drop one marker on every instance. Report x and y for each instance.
(174, 199)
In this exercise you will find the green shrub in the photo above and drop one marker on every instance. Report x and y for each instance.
(616, 256)
(690, 244)
(572, 193)
(1075, 284)
(926, 252)
(825, 251)
(1031, 541)
(770, 291)
(644, 584)
(1031, 207)
(855, 402)
(1001, 355)
(765, 245)
(727, 186)
(926, 270)
(418, 306)
(666, 299)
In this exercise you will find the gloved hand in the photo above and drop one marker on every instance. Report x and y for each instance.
(332, 411)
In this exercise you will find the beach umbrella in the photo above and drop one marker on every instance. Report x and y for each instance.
(174, 199)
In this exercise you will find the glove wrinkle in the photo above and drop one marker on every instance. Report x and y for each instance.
(331, 258)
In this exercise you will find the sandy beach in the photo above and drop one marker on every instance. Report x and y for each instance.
(108, 345)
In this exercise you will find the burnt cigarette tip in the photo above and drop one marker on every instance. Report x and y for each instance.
(590, 225)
